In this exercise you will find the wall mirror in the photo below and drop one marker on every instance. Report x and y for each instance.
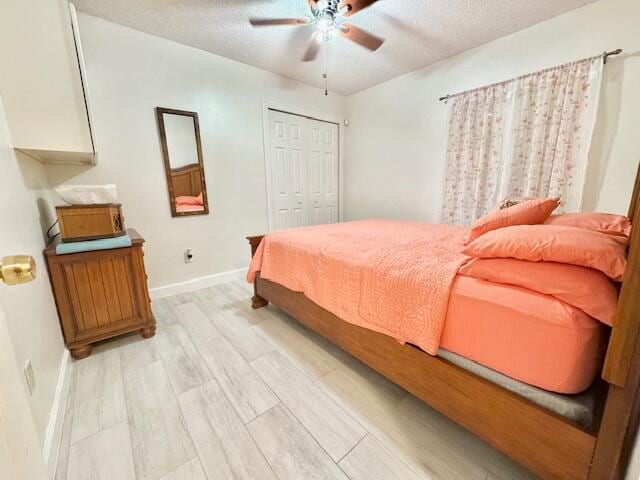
(183, 164)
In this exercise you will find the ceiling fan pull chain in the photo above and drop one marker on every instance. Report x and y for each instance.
(325, 74)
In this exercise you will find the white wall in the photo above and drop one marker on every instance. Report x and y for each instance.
(130, 73)
(396, 141)
(20, 449)
(30, 310)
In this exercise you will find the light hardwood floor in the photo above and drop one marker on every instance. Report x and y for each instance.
(226, 392)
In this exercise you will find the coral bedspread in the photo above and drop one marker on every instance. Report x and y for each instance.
(370, 273)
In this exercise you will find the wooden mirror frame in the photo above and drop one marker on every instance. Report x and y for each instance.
(160, 111)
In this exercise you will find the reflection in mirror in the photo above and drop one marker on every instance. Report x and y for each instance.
(180, 139)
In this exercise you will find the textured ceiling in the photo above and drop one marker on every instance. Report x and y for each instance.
(418, 32)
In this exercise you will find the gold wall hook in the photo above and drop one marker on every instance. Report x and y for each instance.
(17, 269)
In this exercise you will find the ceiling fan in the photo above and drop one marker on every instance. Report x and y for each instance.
(327, 16)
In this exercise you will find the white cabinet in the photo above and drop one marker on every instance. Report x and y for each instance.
(42, 81)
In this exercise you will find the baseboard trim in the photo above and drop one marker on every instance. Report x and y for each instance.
(56, 416)
(196, 283)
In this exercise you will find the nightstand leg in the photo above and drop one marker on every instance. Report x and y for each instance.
(148, 332)
(81, 352)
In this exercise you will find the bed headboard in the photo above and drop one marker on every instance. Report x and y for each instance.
(187, 180)
(623, 345)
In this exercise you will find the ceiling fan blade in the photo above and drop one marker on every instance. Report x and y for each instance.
(269, 22)
(313, 48)
(354, 6)
(361, 37)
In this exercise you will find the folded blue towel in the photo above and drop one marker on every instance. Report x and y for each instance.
(101, 244)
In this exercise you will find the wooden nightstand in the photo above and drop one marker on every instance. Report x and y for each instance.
(100, 294)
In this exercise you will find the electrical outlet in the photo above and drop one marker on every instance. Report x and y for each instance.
(188, 256)
(30, 377)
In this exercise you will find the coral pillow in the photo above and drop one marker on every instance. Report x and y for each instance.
(554, 243)
(584, 288)
(187, 200)
(600, 222)
(529, 212)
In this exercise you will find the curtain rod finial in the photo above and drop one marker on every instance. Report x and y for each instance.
(606, 55)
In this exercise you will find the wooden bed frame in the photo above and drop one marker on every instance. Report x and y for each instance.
(548, 444)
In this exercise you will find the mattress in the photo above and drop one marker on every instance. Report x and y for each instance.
(528, 336)
(578, 408)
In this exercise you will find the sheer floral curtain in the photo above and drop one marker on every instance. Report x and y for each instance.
(526, 137)
(475, 153)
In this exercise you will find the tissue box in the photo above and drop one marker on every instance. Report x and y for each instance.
(88, 194)
(90, 222)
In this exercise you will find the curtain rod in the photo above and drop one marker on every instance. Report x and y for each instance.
(605, 56)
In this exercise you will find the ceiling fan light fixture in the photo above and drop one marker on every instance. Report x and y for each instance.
(328, 17)
(344, 10)
(326, 25)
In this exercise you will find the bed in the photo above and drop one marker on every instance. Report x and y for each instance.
(457, 376)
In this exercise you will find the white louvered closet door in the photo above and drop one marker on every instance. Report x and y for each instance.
(303, 171)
